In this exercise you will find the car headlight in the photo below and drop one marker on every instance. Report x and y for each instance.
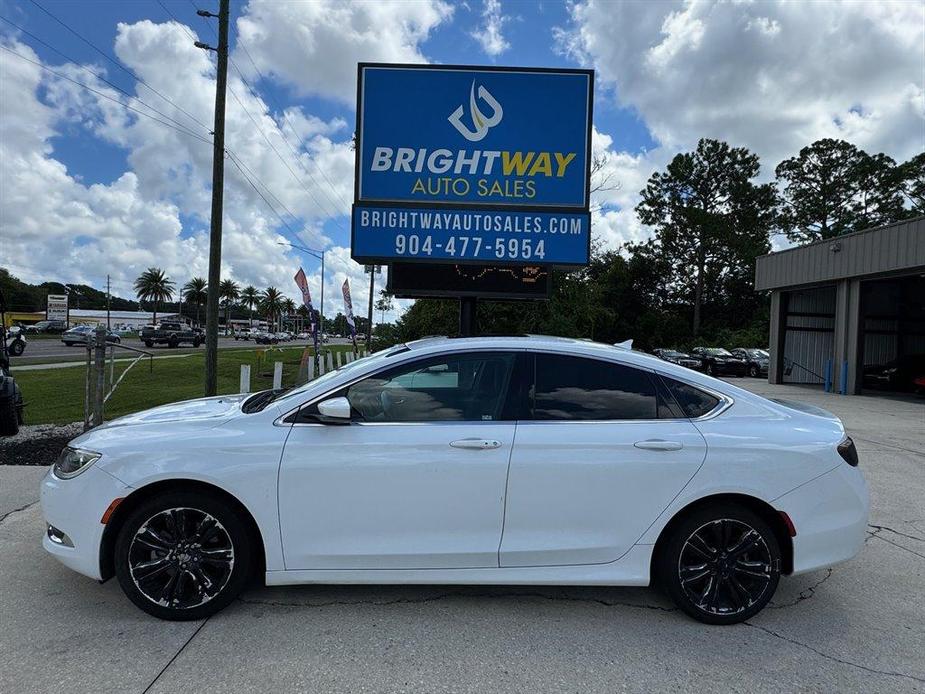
(73, 461)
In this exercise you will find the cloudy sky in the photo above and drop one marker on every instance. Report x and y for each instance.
(90, 186)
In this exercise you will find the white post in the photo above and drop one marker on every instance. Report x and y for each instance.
(330, 361)
(339, 363)
(321, 366)
(278, 375)
(311, 370)
(245, 378)
(349, 357)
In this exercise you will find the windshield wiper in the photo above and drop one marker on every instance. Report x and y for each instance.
(258, 401)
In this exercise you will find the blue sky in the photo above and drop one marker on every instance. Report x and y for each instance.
(85, 185)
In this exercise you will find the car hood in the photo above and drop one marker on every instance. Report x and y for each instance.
(216, 409)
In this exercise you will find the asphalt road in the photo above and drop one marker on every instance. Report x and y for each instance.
(859, 627)
(47, 348)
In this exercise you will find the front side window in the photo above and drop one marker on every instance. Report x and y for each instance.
(458, 387)
(577, 388)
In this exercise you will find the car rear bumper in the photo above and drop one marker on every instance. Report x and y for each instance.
(74, 507)
(830, 514)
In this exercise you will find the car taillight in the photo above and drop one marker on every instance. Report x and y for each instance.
(848, 452)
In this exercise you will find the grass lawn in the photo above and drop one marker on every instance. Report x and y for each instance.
(57, 395)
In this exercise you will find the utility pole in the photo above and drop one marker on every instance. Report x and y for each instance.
(371, 269)
(218, 178)
(108, 297)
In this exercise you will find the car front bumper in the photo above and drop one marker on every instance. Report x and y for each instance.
(75, 507)
(830, 514)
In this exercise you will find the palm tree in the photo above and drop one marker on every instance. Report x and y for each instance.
(228, 293)
(271, 303)
(288, 307)
(250, 296)
(154, 285)
(194, 292)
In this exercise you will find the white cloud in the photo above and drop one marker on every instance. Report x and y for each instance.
(315, 46)
(489, 32)
(772, 76)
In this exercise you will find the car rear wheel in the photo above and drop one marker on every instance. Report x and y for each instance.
(149, 343)
(721, 565)
(753, 371)
(17, 348)
(183, 556)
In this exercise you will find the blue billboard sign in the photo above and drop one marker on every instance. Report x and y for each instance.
(467, 141)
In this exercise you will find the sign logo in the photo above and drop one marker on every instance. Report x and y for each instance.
(481, 123)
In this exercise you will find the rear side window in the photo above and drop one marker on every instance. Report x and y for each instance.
(693, 401)
(575, 388)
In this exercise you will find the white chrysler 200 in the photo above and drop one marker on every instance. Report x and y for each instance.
(522, 460)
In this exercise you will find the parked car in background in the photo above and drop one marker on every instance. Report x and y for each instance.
(756, 360)
(720, 362)
(80, 334)
(403, 468)
(900, 374)
(265, 338)
(679, 358)
(47, 326)
(170, 333)
(242, 334)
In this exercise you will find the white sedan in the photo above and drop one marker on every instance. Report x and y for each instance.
(464, 461)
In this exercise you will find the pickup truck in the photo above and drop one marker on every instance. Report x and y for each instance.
(170, 334)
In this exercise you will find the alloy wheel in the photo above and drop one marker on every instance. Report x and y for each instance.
(181, 558)
(725, 567)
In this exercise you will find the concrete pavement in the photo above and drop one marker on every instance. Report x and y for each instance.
(858, 627)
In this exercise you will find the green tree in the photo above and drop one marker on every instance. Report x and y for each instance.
(271, 304)
(153, 285)
(250, 297)
(228, 293)
(818, 187)
(878, 197)
(195, 292)
(383, 304)
(912, 183)
(710, 219)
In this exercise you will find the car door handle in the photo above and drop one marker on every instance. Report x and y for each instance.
(477, 444)
(659, 445)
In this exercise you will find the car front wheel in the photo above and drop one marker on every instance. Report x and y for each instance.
(721, 565)
(753, 371)
(183, 555)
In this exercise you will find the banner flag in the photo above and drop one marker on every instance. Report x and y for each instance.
(302, 283)
(348, 311)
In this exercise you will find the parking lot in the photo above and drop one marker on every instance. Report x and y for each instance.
(857, 627)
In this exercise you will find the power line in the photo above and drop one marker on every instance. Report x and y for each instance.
(119, 64)
(95, 74)
(283, 112)
(105, 96)
(295, 154)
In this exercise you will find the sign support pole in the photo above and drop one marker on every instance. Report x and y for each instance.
(467, 318)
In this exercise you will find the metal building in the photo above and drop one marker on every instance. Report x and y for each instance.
(849, 312)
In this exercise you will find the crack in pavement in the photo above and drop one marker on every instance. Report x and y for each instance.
(805, 594)
(889, 445)
(895, 532)
(877, 535)
(460, 594)
(17, 510)
(175, 656)
(835, 659)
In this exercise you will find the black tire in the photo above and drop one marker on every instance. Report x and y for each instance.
(9, 417)
(17, 347)
(173, 343)
(728, 581)
(710, 370)
(181, 562)
(753, 371)
(149, 344)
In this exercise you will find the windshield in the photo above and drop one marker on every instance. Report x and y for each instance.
(672, 353)
(717, 352)
(260, 400)
(756, 353)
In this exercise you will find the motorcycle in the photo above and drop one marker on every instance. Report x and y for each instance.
(15, 341)
(11, 401)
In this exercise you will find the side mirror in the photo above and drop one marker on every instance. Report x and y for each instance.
(335, 410)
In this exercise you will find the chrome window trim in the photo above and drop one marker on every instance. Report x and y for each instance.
(725, 401)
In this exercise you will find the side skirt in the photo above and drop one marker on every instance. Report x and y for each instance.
(631, 570)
